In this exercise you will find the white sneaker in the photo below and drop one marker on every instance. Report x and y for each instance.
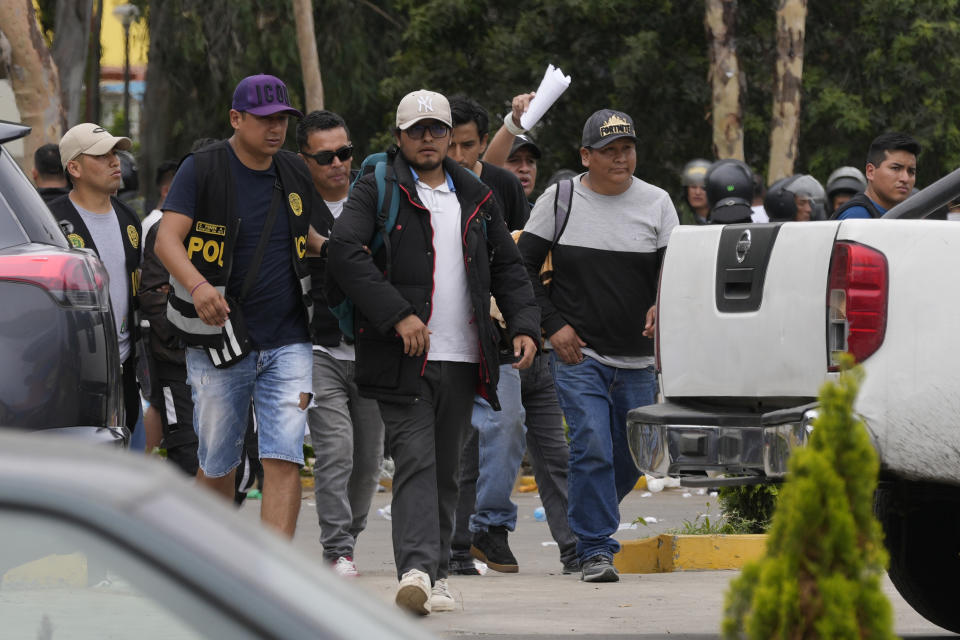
(413, 594)
(345, 567)
(441, 599)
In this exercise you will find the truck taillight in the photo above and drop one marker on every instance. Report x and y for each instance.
(856, 301)
(73, 280)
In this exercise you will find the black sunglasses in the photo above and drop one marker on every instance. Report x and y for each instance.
(326, 157)
(438, 130)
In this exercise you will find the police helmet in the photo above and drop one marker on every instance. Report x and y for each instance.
(729, 186)
(845, 179)
(781, 204)
(694, 173)
(806, 186)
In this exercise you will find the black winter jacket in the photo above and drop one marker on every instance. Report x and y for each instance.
(493, 266)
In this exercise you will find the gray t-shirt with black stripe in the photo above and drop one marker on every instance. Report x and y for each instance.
(605, 265)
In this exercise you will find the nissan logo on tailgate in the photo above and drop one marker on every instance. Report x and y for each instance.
(743, 246)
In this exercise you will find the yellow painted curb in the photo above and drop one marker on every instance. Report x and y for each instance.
(49, 571)
(306, 482)
(666, 553)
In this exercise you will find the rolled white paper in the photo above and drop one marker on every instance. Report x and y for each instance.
(552, 86)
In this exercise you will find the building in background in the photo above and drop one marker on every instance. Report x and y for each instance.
(111, 67)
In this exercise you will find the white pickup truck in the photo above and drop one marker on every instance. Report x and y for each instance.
(751, 318)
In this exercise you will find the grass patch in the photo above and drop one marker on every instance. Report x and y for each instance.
(705, 524)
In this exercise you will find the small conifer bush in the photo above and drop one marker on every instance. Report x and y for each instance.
(822, 571)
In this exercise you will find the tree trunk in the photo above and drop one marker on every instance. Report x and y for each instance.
(33, 76)
(720, 22)
(71, 38)
(159, 110)
(785, 127)
(309, 60)
(92, 69)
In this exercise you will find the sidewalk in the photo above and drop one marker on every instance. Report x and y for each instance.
(539, 602)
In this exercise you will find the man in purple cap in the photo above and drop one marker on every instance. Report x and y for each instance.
(236, 229)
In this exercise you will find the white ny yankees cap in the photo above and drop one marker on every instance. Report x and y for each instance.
(423, 105)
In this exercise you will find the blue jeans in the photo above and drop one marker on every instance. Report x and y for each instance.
(595, 399)
(279, 382)
(501, 435)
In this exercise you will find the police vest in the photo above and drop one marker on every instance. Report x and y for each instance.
(858, 200)
(75, 229)
(213, 235)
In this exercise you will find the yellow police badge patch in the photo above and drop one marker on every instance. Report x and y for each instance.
(296, 204)
(76, 241)
(133, 235)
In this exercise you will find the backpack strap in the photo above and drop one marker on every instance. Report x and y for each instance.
(388, 206)
(562, 202)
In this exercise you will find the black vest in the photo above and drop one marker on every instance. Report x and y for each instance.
(212, 236)
(858, 200)
(79, 236)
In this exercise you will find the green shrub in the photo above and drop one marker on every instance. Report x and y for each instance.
(821, 575)
(751, 506)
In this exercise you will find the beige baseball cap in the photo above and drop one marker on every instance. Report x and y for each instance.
(91, 139)
(423, 105)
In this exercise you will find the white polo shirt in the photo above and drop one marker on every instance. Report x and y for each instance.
(453, 328)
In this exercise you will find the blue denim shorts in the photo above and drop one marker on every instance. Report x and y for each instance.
(279, 381)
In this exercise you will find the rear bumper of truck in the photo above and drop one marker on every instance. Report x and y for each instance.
(675, 439)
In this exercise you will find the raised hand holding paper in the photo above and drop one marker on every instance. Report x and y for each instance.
(552, 86)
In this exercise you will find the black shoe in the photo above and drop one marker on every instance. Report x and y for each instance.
(464, 567)
(599, 568)
(571, 566)
(491, 547)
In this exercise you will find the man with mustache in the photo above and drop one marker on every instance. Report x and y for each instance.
(599, 315)
(425, 341)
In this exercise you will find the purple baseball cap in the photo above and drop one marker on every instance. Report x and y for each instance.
(263, 95)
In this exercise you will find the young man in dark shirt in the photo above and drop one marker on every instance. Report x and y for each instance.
(891, 173)
(493, 451)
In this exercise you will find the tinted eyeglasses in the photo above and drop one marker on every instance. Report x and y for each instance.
(326, 157)
(437, 130)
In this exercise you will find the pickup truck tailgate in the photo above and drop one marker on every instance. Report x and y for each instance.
(743, 310)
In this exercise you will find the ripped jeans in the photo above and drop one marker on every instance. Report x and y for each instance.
(279, 381)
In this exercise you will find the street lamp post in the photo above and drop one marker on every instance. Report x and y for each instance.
(127, 14)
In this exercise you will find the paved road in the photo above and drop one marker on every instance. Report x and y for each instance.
(539, 602)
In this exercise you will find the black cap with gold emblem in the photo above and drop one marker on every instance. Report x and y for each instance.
(605, 126)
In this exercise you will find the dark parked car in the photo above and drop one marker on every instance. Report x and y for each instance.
(58, 345)
(96, 543)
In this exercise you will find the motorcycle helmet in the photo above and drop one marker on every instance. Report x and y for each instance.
(694, 173)
(781, 200)
(729, 186)
(845, 179)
